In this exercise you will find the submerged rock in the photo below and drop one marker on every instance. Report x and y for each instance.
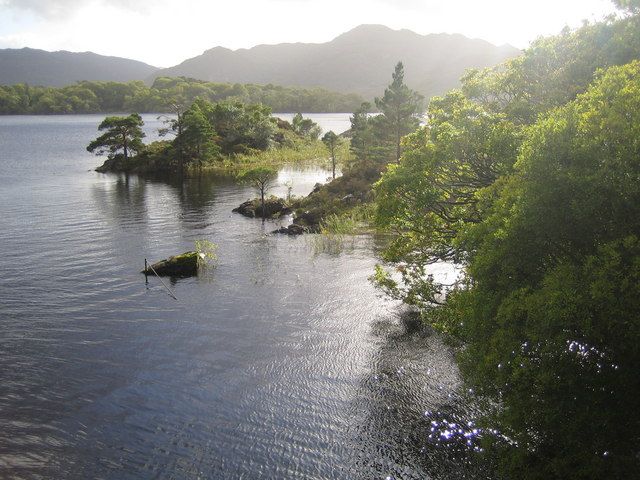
(273, 206)
(292, 229)
(183, 265)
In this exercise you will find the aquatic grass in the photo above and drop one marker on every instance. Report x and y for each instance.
(355, 221)
(206, 251)
(329, 244)
(339, 232)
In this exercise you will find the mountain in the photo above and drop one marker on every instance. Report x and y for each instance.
(56, 69)
(359, 61)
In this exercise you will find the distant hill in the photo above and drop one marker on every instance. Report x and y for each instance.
(56, 69)
(359, 61)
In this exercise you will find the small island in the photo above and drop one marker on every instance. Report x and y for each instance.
(248, 142)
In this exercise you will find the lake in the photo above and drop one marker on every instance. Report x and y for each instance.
(282, 361)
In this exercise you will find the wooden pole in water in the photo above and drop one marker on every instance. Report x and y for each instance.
(163, 284)
(147, 266)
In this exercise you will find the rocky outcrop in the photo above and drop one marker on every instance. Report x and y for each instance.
(309, 220)
(274, 208)
(110, 165)
(184, 265)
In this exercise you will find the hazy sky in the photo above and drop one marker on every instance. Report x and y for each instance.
(166, 32)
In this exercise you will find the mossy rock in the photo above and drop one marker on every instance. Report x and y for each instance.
(183, 265)
(274, 207)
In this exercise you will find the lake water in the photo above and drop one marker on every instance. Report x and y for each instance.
(281, 362)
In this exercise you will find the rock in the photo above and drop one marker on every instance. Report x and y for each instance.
(247, 209)
(295, 229)
(184, 265)
(292, 229)
(274, 207)
(109, 165)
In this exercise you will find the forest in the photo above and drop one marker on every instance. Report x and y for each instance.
(115, 97)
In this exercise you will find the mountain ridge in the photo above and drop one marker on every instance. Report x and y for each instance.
(56, 69)
(359, 61)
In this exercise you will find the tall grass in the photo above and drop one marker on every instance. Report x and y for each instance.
(352, 222)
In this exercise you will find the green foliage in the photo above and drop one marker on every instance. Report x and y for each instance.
(629, 5)
(529, 178)
(218, 136)
(122, 134)
(195, 141)
(99, 97)
(373, 144)
(555, 299)
(554, 70)
(401, 108)
(258, 176)
(350, 222)
(305, 127)
(240, 128)
(453, 167)
(296, 153)
(332, 142)
(376, 139)
(434, 190)
(350, 190)
(362, 138)
(206, 251)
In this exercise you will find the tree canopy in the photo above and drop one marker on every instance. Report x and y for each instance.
(401, 108)
(630, 5)
(123, 136)
(527, 178)
(331, 140)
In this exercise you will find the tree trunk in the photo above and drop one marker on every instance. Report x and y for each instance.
(124, 146)
(333, 163)
(180, 150)
(262, 201)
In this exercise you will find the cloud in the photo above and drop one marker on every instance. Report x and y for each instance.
(63, 8)
(404, 4)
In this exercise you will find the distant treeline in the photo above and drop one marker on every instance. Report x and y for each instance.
(105, 97)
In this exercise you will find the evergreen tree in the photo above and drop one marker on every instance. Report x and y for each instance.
(401, 108)
(331, 140)
(305, 127)
(123, 134)
(196, 138)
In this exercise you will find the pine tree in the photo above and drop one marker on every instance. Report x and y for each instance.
(401, 108)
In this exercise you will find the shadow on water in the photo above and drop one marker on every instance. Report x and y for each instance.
(122, 198)
(126, 199)
(413, 418)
